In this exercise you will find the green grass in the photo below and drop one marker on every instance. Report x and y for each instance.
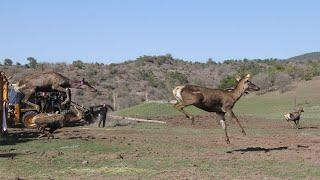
(270, 106)
(274, 105)
(163, 151)
(149, 110)
(174, 152)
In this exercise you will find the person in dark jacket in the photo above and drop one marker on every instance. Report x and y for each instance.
(102, 114)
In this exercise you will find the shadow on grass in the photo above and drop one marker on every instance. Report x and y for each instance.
(309, 127)
(258, 149)
(8, 155)
(21, 136)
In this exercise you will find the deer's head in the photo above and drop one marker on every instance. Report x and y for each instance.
(300, 109)
(245, 84)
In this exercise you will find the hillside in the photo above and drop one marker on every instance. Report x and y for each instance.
(153, 77)
(313, 56)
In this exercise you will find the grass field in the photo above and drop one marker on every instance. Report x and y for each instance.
(151, 110)
(177, 150)
(271, 106)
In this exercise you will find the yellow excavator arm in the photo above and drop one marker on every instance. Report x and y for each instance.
(4, 98)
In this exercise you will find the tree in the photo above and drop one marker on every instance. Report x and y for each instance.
(227, 82)
(8, 62)
(210, 61)
(32, 62)
(78, 63)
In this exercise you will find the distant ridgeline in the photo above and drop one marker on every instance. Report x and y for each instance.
(153, 77)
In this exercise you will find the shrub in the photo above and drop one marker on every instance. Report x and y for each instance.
(282, 79)
(177, 77)
(148, 75)
(78, 64)
(227, 82)
(248, 68)
(7, 62)
(262, 80)
(32, 62)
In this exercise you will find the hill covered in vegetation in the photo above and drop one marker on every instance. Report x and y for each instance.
(313, 56)
(153, 77)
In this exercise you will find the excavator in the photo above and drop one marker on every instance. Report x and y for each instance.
(52, 103)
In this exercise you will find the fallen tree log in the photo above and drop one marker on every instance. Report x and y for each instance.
(136, 119)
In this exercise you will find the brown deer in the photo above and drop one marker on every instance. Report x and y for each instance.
(47, 81)
(295, 117)
(213, 100)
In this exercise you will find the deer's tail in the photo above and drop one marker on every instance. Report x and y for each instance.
(177, 93)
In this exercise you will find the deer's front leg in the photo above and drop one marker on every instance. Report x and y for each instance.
(234, 117)
(222, 120)
(296, 122)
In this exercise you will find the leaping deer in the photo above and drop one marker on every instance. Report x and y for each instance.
(295, 117)
(213, 100)
(47, 81)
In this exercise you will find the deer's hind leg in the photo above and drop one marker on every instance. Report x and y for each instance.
(291, 123)
(180, 107)
(222, 119)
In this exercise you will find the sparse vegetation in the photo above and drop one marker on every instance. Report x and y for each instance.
(159, 74)
(78, 64)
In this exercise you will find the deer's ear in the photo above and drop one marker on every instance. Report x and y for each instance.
(238, 78)
(248, 76)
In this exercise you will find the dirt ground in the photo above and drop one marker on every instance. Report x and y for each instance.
(288, 145)
(180, 150)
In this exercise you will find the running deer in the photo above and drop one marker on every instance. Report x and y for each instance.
(47, 81)
(295, 117)
(213, 100)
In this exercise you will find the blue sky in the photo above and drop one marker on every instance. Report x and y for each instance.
(117, 30)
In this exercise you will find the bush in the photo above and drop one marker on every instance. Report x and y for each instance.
(282, 79)
(248, 68)
(177, 77)
(227, 82)
(32, 62)
(78, 64)
(148, 75)
(7, 62)
(307, 77)
(262, 80)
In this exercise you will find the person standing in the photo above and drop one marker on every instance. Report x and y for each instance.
(102, 115)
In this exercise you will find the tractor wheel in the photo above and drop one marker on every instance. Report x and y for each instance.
(27, 119)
